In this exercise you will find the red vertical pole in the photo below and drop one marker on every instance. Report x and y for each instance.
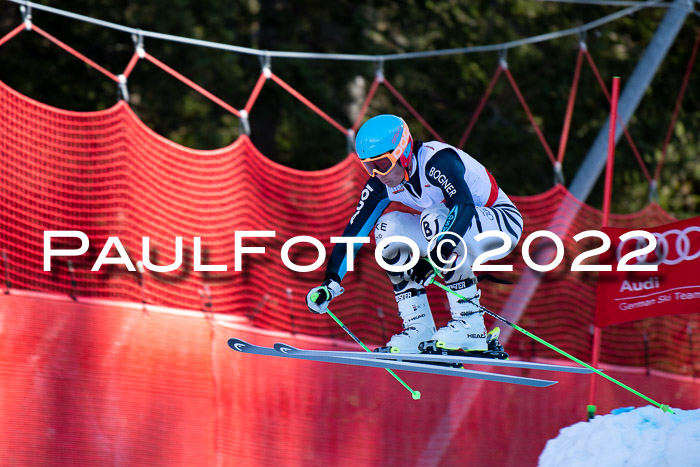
(611, 151)
(595, 359)
(597, 333)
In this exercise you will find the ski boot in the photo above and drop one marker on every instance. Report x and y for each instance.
(418, 324)
(465, 334)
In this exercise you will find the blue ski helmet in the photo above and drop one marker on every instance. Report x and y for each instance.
(385, 133)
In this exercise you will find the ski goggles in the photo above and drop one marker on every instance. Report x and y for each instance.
(380, 165)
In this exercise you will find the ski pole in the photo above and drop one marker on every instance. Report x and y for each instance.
(414, 394)
(663, 407)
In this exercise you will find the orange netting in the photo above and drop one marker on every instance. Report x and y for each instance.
(106, 174)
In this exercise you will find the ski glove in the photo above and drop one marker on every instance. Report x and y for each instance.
(318, 298)
(423, 273)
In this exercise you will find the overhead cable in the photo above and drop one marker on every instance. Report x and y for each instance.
(349, 57)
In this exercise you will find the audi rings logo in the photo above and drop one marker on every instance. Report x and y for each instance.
(672, 247)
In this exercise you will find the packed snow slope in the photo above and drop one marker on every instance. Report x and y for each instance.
(644, 436)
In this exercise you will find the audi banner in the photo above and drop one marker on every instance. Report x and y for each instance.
(641, 280)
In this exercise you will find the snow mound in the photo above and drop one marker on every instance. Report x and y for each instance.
(645, 436)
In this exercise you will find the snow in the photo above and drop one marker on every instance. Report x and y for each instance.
(644, 436)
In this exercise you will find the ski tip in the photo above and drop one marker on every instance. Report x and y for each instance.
(237, 344)
(284, 348)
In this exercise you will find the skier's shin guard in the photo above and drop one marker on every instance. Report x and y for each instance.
(398, 253)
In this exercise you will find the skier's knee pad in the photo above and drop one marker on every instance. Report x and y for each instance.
(397, 224)
(390, 224)
(397, 253)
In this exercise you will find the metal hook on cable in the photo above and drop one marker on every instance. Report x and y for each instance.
(582, 36)
(122, 89)
(26, 11)
(137, 37)
(503, 58)
(653, 192)
(379, 70)
(558, 174)
(265, 64)
(350, 141)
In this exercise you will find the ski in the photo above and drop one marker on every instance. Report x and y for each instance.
(433, 358)
(363, 360)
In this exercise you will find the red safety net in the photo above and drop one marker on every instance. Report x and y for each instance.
(102, 382)
(106, 174)
(92, 383)
(98, 382)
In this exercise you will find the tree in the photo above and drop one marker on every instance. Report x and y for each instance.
(445, 90)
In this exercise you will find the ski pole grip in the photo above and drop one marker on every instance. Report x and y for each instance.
(316, 296)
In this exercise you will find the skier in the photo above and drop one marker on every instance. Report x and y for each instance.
(454, 194)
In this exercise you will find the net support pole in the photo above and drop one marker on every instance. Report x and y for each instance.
(598, 332)
(638, 82)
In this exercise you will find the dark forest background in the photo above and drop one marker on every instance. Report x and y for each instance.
(444, 90)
